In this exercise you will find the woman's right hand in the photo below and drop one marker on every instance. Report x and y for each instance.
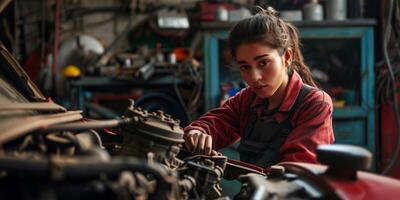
(198, 142)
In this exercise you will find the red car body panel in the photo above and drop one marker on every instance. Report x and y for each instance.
(367, 186)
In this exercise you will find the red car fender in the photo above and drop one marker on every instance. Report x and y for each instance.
(367, 185)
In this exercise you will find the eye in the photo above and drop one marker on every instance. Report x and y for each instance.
(263, 62)
(244, 67)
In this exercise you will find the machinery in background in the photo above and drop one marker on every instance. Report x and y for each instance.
(175, 89)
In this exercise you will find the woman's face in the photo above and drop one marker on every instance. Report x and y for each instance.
(263, 68)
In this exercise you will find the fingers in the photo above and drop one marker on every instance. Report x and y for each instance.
(198, 142)
(195, 142)
(191, 140)
(208, 145)
(189, 143)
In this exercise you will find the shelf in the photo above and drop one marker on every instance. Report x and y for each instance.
(94, 82)
(326, 23)
(349, 112)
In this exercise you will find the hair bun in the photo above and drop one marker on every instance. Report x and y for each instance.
(269, 11)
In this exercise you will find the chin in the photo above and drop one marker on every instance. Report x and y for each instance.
(263, 95)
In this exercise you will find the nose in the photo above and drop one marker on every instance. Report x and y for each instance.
(255, 75)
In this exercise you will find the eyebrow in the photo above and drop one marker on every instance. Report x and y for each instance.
(260, 56)
(255, 58)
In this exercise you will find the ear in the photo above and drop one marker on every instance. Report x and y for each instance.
(287, 57)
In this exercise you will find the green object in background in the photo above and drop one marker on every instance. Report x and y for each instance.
(230, 187)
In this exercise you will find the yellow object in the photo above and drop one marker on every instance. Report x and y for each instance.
(339, 103)
(71, 71)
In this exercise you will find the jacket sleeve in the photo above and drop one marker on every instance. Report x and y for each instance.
(313, 126)
(221, 123)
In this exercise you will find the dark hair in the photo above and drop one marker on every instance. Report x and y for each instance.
(266, 26)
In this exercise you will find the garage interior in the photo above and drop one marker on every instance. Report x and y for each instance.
(125, 65)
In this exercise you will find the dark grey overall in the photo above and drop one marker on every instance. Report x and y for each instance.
(264, 136)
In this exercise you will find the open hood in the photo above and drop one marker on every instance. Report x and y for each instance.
(15, 75)
(4, 4)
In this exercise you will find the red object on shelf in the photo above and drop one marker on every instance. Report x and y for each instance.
(388, 138)
(182, 53)
(208, 10)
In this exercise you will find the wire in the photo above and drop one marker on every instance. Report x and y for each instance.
(56, 42)
(196, 77)
(42, 34)
(386, 39)
(179, 96)
(195, 100)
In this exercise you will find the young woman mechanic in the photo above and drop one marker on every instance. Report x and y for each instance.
(281, 115)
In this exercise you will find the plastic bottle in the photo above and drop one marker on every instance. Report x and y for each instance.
(222, 14)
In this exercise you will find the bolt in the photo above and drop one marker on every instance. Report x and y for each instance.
(276, 171)
(208, 163)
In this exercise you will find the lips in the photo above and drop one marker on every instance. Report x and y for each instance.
(259, 87)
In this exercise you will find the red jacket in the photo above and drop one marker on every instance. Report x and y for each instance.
(312, 122)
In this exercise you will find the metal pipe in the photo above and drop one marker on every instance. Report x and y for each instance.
(19, 127)
(85, 125)
(39, 106)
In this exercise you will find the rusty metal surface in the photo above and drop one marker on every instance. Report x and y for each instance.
(38, 106)
(18, 127)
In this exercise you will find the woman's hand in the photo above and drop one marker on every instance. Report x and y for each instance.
(198, 142)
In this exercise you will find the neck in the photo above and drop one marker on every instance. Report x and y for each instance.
(276, 99)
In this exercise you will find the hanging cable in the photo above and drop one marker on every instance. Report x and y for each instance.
(56, 42)
(179, 96)
(386, 39)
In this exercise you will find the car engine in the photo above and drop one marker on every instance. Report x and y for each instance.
(69, 161)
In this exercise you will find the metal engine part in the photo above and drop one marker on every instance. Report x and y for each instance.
(207, 171)
(156, 137)
(152, 136)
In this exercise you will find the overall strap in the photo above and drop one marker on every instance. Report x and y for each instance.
(299, 100)
(263, 139)
(287, 126)
(272, 156)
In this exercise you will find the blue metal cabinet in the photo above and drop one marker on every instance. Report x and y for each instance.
(353, 124)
